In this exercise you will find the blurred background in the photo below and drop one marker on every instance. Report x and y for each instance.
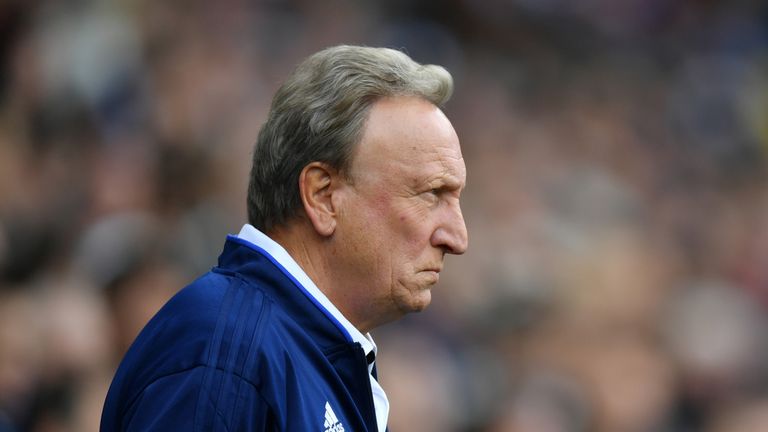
(617, 201)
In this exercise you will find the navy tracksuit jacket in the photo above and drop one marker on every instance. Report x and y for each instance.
(243, 348)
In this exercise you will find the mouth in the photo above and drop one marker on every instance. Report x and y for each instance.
(434, 274)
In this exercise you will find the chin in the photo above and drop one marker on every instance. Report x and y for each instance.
(417, 301)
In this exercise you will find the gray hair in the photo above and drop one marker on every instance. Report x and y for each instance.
(318, 114)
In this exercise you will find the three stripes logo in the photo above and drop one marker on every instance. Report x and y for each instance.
(332, 423)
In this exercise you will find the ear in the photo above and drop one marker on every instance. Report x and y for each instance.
(317, 183)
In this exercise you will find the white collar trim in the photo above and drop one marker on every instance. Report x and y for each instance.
(252, 235)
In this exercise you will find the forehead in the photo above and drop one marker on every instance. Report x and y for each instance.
(410, 138)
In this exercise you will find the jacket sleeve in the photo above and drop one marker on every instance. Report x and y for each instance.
(200, 399)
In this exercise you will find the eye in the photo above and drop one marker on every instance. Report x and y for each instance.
(432, 195)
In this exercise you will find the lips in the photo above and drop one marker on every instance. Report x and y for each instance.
(435, 270)
(433, 273)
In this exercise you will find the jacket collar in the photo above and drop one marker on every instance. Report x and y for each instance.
(269, 271)
(258, 258)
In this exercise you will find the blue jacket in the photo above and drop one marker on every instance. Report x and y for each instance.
(243, 348)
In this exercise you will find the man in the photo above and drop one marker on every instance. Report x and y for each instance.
(353, 203)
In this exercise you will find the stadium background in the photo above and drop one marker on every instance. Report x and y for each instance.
(617, 203)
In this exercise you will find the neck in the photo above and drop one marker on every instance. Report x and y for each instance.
(311, 252)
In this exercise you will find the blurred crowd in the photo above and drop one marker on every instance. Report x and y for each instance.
(617, 200)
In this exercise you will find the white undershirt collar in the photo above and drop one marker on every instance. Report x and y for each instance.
(252, 235)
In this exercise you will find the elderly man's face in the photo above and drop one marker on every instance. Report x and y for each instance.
(403, 214)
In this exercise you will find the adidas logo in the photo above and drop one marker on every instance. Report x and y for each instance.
(332, 423)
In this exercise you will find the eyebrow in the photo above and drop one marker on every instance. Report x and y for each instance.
(448, 182)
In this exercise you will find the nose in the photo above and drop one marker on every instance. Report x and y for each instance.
(451, 235)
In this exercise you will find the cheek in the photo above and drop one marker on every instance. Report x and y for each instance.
(413, 234)
(401, 225)
(415, 222)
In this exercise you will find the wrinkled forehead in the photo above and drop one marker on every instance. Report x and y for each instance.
(409, 136)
